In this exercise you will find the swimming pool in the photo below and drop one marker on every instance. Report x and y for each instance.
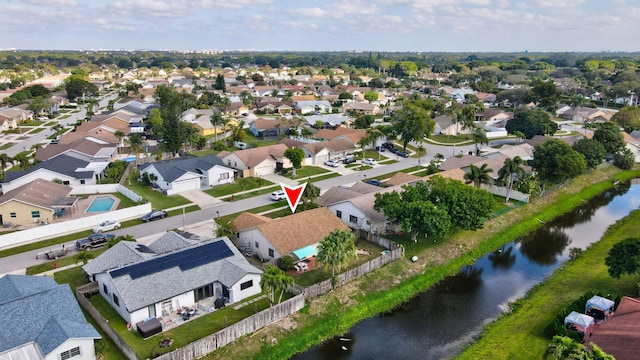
(129, 159)
(101, 203)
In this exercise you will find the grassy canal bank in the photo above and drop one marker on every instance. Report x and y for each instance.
(383, 290)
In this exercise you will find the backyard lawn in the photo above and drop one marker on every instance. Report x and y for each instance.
(307, 171)
(157, 199)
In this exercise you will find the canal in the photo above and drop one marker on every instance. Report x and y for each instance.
(440, 322)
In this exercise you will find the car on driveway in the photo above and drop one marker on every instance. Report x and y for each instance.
(332, 163)
(154, 215)
(106, 226)
(94, 241)
(278, 195)
(349, 160)
(404, 154)
(369, 161)
(374, 182)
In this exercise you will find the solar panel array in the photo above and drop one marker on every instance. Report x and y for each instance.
(185, 260)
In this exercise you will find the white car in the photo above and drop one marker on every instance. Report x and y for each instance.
(106, 226)
(369, 161)
(278, 195)
(332, 163)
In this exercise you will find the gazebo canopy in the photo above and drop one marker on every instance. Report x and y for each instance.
(305, 252)
(579, 319)
(599, 302)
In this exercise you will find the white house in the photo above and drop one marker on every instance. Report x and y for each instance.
(41, 320)
(188, 173)
(142, 282)
(257, 161)
(298, 234)
(313, 106)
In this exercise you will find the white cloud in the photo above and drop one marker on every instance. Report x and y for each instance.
(559, 3)
(50, 2)
(479, 2)
(350, 7)
(314, 12)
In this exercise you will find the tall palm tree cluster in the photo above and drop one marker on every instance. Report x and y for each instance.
(507, 175)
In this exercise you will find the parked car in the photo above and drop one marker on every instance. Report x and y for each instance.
(153, 215)
(278, 195)
(106, 226)
(348, 160)
(394, 150)
(332, 163)
(404, 154)
(381, 148)
(369, 161)
(94, 241)
(374, 182)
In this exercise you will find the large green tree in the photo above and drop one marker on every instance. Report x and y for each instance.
(624, 258)
(478, 175)
(624, 159)
(628, 118)
(78, 87)
(555, 161)
(414, 212)
(531, 123)
(309, 195)
(295, 155)
(336, 249)
(546, 94)
(610, 136)
(467, 206)
(592, 150)
(412, 122)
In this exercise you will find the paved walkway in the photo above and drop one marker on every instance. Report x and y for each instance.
(200, 198)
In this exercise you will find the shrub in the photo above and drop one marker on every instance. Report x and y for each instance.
(286, 263)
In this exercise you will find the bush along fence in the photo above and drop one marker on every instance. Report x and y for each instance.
(92, 288)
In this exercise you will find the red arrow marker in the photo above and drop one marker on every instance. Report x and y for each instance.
(294, 194)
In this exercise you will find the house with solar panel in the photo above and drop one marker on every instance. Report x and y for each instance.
(146, 283)
(41, 320)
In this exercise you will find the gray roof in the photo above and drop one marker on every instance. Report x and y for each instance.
(36, 309)
(174, 168)
(170, 241)
(63, 164)
(165, 282)
(336, 194)
(123, 253)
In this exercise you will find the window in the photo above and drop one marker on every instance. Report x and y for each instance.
(339, 214)
(35, 214)
(353, 219)
(70, 353)
(116, 300)
(105, 289)
(82, 182)
(224, 176)
(13, 215)
(257, 245)
(246, 285)
(66, 183)
(152, 310)
(271, 252)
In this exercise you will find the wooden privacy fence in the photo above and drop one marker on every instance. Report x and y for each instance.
(232, 332)
(92, 288)
(325, 286)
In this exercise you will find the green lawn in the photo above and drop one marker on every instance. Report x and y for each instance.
(74, 277)
(257, 142)
(204, 152)
(64, 117)
(34, 123)
(319, 178)
(241, 184)
(157, 199)
(6, 146)
(307, 171)
(195, 329)
(262, 191)
(51, 123)
(450, 139)
(36, 130)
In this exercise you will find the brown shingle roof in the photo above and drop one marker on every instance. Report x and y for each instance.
(336, 194)
(349, 133)
(254, 156)
(247, 220)
(302, 229)
(38, 192)
(460, 162)
(620, 334)
(456, 174)
(333, 145)
(401, 178)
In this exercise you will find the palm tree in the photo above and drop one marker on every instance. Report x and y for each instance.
(84, 256)
(563, 347)
(336, 249)
(57, 128)
(478, 175)
(136, 144)
(216, 120)
(274, 280)
(454, 112)
(119, 134)
(23, 160)
(310, 194)
(479, 136)
(4, 160)
(506, 173)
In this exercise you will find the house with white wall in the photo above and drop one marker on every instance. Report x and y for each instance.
(42, 320)
(142, 282)
(297, 234)
(257, 161)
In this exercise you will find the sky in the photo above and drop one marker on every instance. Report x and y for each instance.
(332, 25)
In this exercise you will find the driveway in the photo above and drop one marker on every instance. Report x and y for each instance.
(200, 198)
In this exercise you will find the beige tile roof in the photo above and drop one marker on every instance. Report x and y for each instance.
(247, 220)
(351, 134)
(254, 156)
(302, 229)
(460, 162)
(333, 145)
(38, 192)
(456, 174)
(401, 178)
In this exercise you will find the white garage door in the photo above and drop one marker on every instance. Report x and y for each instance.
(263, 170)
(320, 159)
(184, 185)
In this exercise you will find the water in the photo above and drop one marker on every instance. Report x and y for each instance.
(440, 322)
(102, 203)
